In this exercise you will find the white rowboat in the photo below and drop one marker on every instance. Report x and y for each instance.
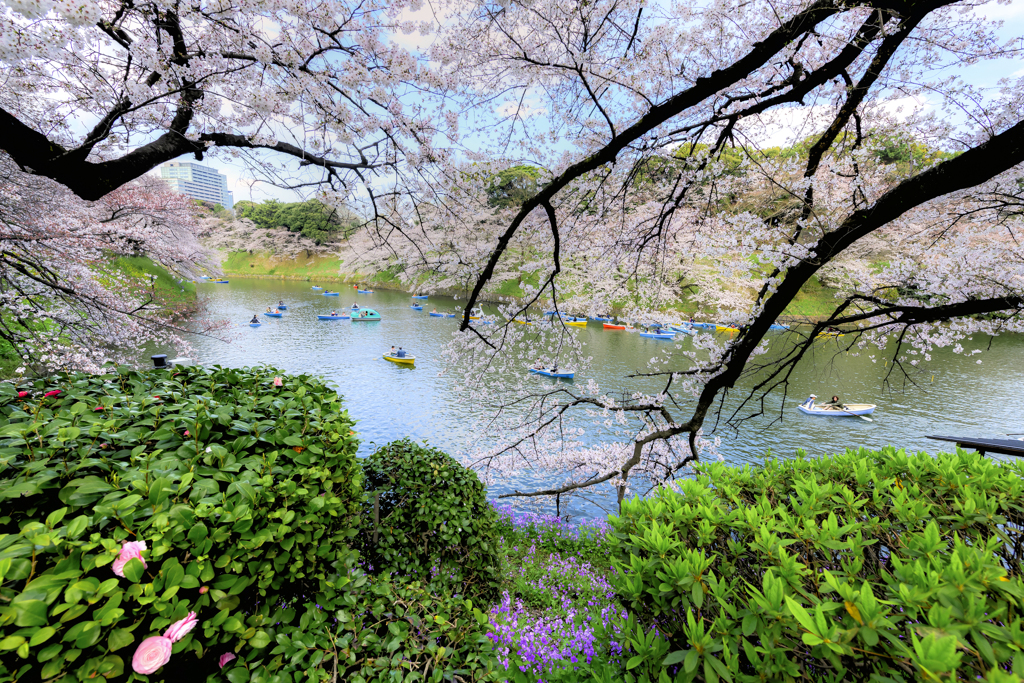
(829, 411)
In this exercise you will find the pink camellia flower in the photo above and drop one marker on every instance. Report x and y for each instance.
(130, 549)
(278, 382)
(181, 628)
(186, 433)
(226, 657)
(98, 408)
(155, 651)
(204, 590)
(152, 654)
(52, 393)
(22, 394)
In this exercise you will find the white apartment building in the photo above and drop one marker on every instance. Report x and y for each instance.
(198, 182)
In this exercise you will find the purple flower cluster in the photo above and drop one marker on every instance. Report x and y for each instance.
(540, 644)
(525, 521)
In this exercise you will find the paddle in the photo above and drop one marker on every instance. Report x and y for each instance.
(863, 417)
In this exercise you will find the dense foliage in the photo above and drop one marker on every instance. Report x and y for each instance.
(312, 219)
(243, 488)
(863, 566)
(435, 523)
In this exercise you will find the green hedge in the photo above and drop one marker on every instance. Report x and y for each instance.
(435, 524)
(245, 493)
(864, 566)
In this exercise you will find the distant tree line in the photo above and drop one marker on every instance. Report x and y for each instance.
(312, 219)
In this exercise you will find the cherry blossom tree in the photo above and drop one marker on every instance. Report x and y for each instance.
(97, 93)
(651, 129)
(66, 302)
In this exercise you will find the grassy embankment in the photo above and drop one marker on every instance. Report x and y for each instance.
(167, 292)
(814, 299)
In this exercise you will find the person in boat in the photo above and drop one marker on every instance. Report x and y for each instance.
(435, 310)
(268, 310)
(401, 352)
(809, 403)
(834, 404)
(280, 303)
(539, 365)
(355, 306)
(255, 320)
(336, 313)
(554, 368)
(392, 351)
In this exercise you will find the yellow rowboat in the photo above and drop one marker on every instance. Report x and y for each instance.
(405, 360)
(577, 323)
(726, 328)
(523, 322)
(830, 334)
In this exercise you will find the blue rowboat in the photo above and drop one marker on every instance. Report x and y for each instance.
(282, 307)
(255, 324)
(451, 315)
(705, 326)
(681, 330)
(366, 315)
(436, 315)
(658, 335)
(220, 282)
(479, 321)
(416, 308)
(332, 294)
(273, 315)
(333, 317)
(562, 374)
(420, 296)
(776, 326)
(364, 291)
(314, 287)
(549, 312)
(601, 320)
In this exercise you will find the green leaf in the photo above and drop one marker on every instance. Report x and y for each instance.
(260, 640)
(53, 519)
(11, 642)
(134, 571)
(634, 661)
(119, 638)
(675, 657)
(41, 636)
(29, 613)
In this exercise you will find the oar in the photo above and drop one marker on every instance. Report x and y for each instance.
(863, 417)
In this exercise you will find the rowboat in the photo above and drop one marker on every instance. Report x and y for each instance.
(404, 360)
(829, 334)
(549, 312)
(451, 315)
(523, 322)
(255, 324)
(599, 319)
(658, 335)
(315, 287)
(481, 321)
(273, 315)
(436, 315)
(420, 296)
(220, 282)
(355, 307)
(364, 291)
(561, 374)
(608, 326)
(776, 326)
(704, 326)
(366, 315)
(333, 317)
(680, 329)
(332, 294)
(282, 307)
(416, 308)
(851, 409)
(727, 328)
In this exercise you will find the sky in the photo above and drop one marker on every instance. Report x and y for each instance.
(783, 121)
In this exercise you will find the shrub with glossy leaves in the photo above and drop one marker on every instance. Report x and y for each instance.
(864, 566)
(245, 494)
(435, 526)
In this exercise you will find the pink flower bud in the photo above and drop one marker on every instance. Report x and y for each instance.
(22, 394)
(152, 654)
(98, 408)
(130, 550)
(52, 393)
(181, 628)
(225, 658)
(278, 382)
(203, 590)
(186, 433)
